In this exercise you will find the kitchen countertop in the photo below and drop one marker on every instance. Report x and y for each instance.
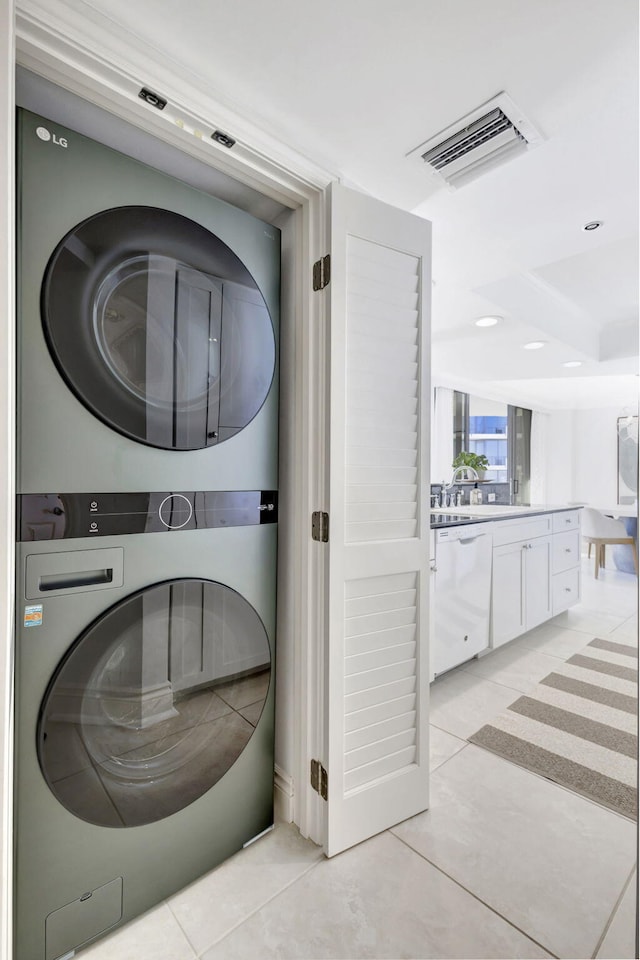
(485, 512)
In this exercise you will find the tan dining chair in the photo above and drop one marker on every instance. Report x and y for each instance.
(601, 531)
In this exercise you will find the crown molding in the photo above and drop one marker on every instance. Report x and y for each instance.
(75, 46)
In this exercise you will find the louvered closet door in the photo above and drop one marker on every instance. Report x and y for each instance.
(377, 690)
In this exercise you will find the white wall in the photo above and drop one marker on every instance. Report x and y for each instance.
(582, 461)
(596, 455)
(559, 466)
(441, 433)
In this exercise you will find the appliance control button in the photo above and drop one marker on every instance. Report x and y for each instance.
(175, 511)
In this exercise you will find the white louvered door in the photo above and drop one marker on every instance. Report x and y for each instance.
(377, 683)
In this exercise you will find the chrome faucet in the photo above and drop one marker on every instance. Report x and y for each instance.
(455, 473)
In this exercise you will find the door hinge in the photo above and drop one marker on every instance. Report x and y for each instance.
(320, 526)
(322, 272)
(319, 779)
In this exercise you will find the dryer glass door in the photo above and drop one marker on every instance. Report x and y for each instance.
(158, 328)
(154, 703)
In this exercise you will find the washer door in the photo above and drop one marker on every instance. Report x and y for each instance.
(158, 328)
(154, 703)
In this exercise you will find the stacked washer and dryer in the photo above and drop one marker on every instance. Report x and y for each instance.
(146, 554)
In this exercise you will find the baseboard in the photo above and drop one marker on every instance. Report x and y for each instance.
(283, 792)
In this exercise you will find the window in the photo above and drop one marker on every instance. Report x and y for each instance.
(499, 431)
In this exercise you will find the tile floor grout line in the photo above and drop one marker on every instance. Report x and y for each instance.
(616, 906)
(447, 759)
(474, 895)
(555, 783)
(442, 730)
(505, 686)
(252, 913)
(182, 930)
(461, 667)
(556, 656)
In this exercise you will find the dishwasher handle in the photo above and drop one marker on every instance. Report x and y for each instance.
(471, 539)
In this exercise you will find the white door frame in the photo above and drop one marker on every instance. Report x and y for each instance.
(7, 473)
(73, 46)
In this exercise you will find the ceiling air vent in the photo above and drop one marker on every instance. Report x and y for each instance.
(485, 138)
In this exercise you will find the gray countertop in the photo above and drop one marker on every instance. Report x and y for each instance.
(485, 512)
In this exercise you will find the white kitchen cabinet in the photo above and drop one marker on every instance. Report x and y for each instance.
(521, 587)
(565, 520)
(536, 571)
(537, 582)
(507, 593)
(565, 590)
(565, 551)
(565, 561)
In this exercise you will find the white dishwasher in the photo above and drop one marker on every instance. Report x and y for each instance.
(461, 594)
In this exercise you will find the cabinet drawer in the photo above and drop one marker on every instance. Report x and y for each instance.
(565, 551)
(511, 531)
(567, 520)
(565, 589)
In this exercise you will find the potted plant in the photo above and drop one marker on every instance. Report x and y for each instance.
(478, 461)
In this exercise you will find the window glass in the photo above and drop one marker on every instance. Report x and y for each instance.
(488, 435)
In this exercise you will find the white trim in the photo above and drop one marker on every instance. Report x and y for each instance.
(283, 796)
(7, 474)
(314, 463)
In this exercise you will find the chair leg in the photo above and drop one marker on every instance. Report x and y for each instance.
(635, 556)
(603, 554)
(589, 551)
(596, 554)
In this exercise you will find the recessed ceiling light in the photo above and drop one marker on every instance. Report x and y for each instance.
(572, 363)
(535, 344)
(592, 225)
(487, 321)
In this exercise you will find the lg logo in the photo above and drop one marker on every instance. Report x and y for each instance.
(45, 135)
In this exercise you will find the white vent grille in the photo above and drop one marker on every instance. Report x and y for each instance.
(485, 138)
(380, 682)
(382, 427)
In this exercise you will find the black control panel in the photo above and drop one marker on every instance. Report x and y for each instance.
(65, 516)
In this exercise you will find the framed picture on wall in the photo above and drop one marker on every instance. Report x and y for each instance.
(627, 459)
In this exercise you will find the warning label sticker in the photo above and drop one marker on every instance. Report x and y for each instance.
(33, 615)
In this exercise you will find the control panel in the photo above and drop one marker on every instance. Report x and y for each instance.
(66, 516)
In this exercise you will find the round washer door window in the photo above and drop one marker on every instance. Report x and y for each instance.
(158, 328)
(154, 703)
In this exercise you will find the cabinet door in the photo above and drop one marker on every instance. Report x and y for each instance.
(507, 593)
(537, 590)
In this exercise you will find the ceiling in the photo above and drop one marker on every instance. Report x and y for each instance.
(357, 85)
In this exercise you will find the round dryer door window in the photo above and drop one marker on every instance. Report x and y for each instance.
(154, 703)
(158, 328)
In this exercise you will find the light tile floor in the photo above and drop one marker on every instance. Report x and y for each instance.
(504, 863)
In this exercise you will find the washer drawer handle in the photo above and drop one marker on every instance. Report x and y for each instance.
(83, 578)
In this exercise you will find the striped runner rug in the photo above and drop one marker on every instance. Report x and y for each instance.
(578, 727)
